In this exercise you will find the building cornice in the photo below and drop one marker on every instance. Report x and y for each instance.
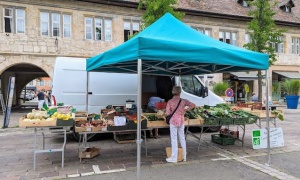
(191, 12)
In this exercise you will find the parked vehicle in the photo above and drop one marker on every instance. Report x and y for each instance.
(72, 83)
(27, 96)
(93, 91)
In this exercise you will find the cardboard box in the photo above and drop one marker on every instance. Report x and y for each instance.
(89, 153)
(180, 153)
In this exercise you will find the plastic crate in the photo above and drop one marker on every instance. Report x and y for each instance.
(226, 121)
(116, 128)
(222, 139)
(133, 125)
(212, 121)
(69, 122)
(239, 121)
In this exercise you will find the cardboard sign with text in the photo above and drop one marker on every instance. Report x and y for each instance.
(260, 138)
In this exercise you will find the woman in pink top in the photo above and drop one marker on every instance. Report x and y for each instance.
(177, 122)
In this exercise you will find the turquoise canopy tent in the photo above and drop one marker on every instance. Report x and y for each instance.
(170, 47)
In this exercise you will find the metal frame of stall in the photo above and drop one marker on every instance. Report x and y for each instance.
(51, 129)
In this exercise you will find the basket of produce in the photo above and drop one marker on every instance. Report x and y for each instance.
(155, 120)
(222, 139)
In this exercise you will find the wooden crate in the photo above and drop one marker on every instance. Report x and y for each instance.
(80, 118)
(43, 113)
(157, 124)
(88, 129)
(41, 123)
(193, 122)
(81, 114)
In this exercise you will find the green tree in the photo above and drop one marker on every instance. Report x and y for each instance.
(154, 9)
(263, 32)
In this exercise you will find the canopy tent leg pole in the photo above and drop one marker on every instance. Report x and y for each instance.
(87, 92)
(139, 113)
(268, 115)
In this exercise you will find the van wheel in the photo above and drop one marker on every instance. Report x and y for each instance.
(213, 129)
(76, 136)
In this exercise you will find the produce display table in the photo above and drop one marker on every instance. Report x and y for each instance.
(51, 129)
(262, 114)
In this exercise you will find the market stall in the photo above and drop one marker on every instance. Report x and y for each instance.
(54, 120)
(169, 47)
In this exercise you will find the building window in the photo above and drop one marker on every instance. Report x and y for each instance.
(295, 45)
(53, 21)
(45, 23)
(42, 83)
(205, 31)
(30, 83)
(67, 25)
(14, 20)
(247, 38)
(228, 37)
(278, 46)
(286, 6)
(55, 24)
(130, 28)
(97, 30)
(243, 3)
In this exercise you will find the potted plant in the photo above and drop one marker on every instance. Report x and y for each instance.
(276, 91)
(220, 88)
(291, 88)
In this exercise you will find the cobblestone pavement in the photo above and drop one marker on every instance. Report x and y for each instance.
(17, 146)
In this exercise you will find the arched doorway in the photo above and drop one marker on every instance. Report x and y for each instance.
(24, 73)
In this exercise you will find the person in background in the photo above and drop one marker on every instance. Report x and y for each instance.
(152, 109)
(177, 122)
(254, 98)
(46, 98)
(49, 98)
(265, 100)
(41, 98)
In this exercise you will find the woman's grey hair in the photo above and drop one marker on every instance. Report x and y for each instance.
(176, 90)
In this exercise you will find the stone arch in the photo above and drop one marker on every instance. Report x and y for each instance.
(25, 69)
(48, 68)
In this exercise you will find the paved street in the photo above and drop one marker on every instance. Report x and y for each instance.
(211, 162)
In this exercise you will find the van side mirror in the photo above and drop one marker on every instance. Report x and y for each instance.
(204, 92)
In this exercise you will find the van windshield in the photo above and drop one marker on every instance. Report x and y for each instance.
(191, 84)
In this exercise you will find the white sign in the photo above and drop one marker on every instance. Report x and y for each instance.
(260, 138)
(119, 120)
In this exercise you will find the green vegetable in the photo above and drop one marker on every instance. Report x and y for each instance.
(278, 114)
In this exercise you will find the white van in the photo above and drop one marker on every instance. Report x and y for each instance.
(71, 83)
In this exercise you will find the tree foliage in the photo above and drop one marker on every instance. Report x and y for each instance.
(262, 29)
(154, 9)
(263, 32)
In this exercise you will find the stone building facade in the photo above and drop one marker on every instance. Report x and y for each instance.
(34, 32)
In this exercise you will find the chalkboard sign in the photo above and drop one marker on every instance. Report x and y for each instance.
(260, 138)
(9, 100)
